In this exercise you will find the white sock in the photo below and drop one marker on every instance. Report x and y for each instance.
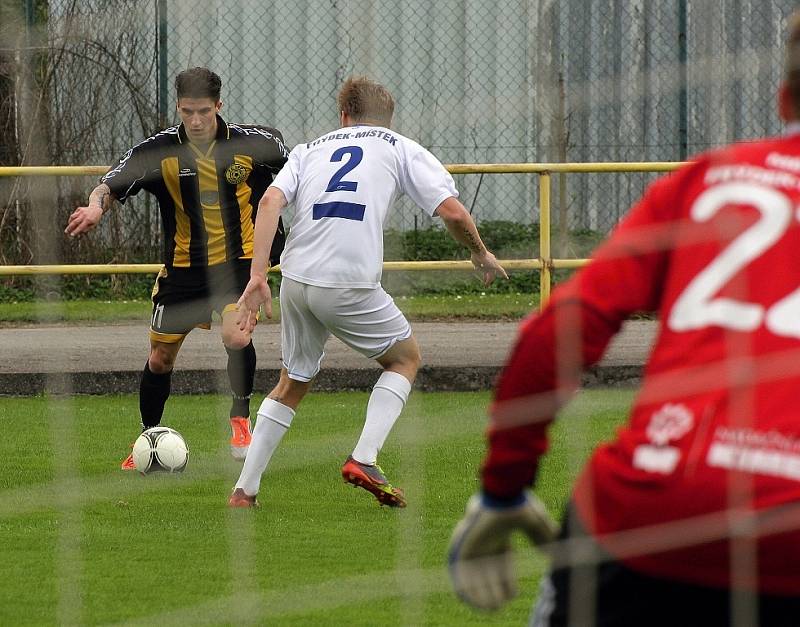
(387, 400)
(273, 422)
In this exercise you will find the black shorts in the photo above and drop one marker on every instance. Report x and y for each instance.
(611, 594)
(184, 298)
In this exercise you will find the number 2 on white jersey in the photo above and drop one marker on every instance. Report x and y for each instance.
(342, 208)
(336, 184)
(697, 306)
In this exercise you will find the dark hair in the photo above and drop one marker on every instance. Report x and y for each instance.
(198, 82)
(364, 100)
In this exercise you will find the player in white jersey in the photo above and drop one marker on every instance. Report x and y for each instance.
(343, 185)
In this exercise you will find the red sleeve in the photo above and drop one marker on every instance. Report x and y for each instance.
(552, 349)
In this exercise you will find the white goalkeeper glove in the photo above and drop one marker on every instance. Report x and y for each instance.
(480, 558)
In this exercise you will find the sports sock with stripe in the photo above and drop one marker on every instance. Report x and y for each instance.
(241, 373)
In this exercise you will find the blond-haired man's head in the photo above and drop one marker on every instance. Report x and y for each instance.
(363, 101)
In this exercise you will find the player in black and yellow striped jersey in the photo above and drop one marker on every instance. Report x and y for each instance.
(207, 176)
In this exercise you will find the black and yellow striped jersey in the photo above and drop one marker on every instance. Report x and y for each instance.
(207, 196)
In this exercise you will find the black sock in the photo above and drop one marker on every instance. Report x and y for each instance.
(241, 373)
(153, 394)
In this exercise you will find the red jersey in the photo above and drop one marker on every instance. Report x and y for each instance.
(714, 434)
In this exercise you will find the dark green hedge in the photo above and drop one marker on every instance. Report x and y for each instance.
(105, 287)
(508, 240)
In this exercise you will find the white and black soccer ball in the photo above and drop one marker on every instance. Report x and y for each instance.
(160, 449)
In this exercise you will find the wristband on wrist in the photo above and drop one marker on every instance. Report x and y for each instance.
(502, 502)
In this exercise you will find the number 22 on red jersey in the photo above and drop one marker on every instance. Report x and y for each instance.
(699, 305)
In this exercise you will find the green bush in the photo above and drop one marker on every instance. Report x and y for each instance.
(504, 238)
(72, 287)
(508, 240)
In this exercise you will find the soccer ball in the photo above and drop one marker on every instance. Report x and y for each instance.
(160, 449)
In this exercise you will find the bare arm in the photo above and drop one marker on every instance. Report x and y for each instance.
(84, 219)
(257, 292)
(462, 228)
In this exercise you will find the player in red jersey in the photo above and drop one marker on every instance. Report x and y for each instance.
(692, 514)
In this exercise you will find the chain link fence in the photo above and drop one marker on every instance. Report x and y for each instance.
(475, 81)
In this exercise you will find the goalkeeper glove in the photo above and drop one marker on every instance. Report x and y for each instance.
(480, 559)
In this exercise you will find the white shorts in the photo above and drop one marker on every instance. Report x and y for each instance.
(366, 319)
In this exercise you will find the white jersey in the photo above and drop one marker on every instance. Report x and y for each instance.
(343, 186)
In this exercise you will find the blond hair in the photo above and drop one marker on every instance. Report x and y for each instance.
(366, 101)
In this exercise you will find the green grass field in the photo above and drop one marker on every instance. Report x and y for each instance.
(85, 543)
(428, 307)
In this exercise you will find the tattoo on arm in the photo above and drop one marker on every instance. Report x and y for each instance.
(101, 194)
(471, 241)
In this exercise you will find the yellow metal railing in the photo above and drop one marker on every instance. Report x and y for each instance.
(544, 263)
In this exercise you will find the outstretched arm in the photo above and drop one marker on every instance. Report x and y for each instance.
(462, 228)
(257, 292)
(627, 274)
(84, 219)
